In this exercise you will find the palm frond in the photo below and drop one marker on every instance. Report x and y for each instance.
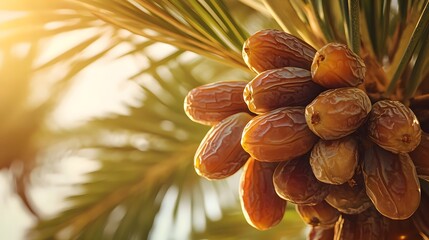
(135, 177)
(204, 27)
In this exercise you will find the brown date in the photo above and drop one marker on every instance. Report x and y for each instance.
(261, 206)
(278, 135)
(271, 49)
(336, 113)
(391, 182)
(294, 181)
(321, 233)
(321, 214)
(335, 161)
(209, 104)
(349, 198)
(394, 126)
(335, 66)
(420, 157)
(282, 87)
(220, 154)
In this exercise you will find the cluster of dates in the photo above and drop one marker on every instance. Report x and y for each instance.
(307, 133)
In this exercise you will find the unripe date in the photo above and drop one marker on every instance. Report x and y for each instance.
(336, 113)
(335, 161)
(294, 181)
(391, 182)
(220, 154)
(209, 104)
(321, 214)
(420, 157)
(278, 135)
(281, 87)
(261, 206)
(336, 66)
(394, 126)
(271, 49)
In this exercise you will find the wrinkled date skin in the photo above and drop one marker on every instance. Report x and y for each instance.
(420, 157)
(321, 214)
(349, 198)
(335, 161)
(211, 103)
(281, 87)
(294, 181)
(321, 233)
(278, 135)
(220, 154)
(271, 49)
(337, 112)
(391, 182)
(336, 66)
(261, 206)
(394, 126)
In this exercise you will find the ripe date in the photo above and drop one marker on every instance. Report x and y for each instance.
(278, 135)
(282, 87)
(261, 206)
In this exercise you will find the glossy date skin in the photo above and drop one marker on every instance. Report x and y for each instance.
(420, 157)
(394, 126)
(336, 66)
(262, 207)
(294, 181)
(211, 103)
(271, 49)
(220, 154)
(321, 214)
(349, 198)
(282, 87)
(336, 113)
(391, 182)
(279, 135)
(335, 161)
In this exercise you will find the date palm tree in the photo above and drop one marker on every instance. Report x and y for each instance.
(145, 185)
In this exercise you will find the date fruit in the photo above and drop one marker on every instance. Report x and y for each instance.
(220, 154)
(294, 181)
(394, 126)
(271, 49)
(420, 157)
(278, 135)
(336, 113)
(321, 214)
(335, 161)
(336, 66)
(211, 103)
(261, 206)
(349, 198)
(391, 182)
(282, 87)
